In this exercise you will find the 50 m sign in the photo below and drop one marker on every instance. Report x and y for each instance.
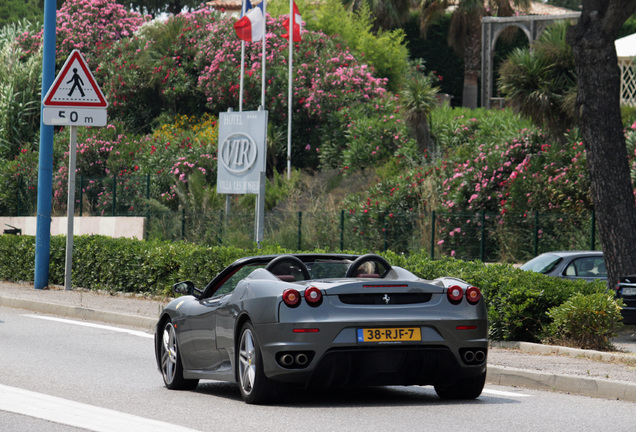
(66, 116)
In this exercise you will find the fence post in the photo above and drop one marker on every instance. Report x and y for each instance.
(183, 224)
(341, 230)
(114, 193)
(482, 245)
(221, 226)
(148, 196)
(384, 231)
(81, 195)
(18, 193)
(433, 235)
(593, 231)
(536, 233)
(300, 225)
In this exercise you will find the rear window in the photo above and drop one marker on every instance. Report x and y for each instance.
(542, 264)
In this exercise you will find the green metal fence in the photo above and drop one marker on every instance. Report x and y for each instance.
(479, 235)
(483, 236)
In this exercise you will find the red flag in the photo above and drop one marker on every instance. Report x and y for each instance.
(298, 21)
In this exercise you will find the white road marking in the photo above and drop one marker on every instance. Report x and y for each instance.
(504, 393)
(87, 324)
(77, 414)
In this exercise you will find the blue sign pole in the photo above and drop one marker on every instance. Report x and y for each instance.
(45, 167)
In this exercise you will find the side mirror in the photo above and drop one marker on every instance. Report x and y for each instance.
(183, 288)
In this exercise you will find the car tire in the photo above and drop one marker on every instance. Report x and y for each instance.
(171, 367)
(255, 387)
(467, 388)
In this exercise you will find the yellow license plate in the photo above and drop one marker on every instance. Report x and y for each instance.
(402, 334)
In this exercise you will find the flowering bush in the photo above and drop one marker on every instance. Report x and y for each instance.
(391, 210)
(371, 134)
(18, 183)
(151, 165)
(88, 26)
(154, 71)
(174, 151)
(326, 78)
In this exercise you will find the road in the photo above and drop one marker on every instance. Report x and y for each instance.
(66, 375)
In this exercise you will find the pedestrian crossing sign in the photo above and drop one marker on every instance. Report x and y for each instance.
(75, 86)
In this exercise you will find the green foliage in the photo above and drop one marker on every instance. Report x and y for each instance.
(18, 184)
(540, 81)
(365, 135)
(12, 11)
(19, 92)
(385, 51)
(586, 321)
(518, 301)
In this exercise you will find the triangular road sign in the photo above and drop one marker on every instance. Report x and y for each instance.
(75, 86)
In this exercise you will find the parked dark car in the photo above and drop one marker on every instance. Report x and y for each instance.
(588, 265)
(324, 320)
(627, 291)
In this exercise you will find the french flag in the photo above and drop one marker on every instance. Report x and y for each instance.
(251, 26)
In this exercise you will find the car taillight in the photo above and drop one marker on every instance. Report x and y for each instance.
(291, 297)
(473, 295)
(455, 293)
(313, 296)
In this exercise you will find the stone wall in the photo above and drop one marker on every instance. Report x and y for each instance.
(132, 227)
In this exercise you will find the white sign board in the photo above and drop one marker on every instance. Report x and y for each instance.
(242, 152)
(74, 116)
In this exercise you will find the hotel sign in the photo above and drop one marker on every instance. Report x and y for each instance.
(242, 151)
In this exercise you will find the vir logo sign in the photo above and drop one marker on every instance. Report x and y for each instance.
(238, 153)
(75, 99)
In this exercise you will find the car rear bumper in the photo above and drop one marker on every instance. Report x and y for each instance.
(336, 359)
(629, 315)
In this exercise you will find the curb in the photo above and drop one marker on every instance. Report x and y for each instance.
(80, 313)
(605, 389)
(530, 347)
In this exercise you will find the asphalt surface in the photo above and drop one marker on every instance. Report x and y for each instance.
(609, 375)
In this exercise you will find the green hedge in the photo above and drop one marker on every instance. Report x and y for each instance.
(518, 301)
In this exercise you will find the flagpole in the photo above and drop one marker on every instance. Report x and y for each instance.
(289, 96)
(263, 80)
(242, 65)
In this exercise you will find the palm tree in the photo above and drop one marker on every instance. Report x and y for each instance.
(465, 32)
(418, 99)
(540, 82)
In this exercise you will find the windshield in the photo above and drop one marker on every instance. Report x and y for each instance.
(542, 264)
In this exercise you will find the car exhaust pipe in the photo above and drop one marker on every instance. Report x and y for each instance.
(469, 356)
(301, 359)
(480, 356)
(287, 360)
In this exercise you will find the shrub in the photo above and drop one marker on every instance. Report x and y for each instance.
(585, 321)
(362, 136)
(384, 51)
(89, 26)
(20, 80)
(518, 301)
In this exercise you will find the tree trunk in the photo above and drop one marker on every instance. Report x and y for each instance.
(599, 118)
(472, 64)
